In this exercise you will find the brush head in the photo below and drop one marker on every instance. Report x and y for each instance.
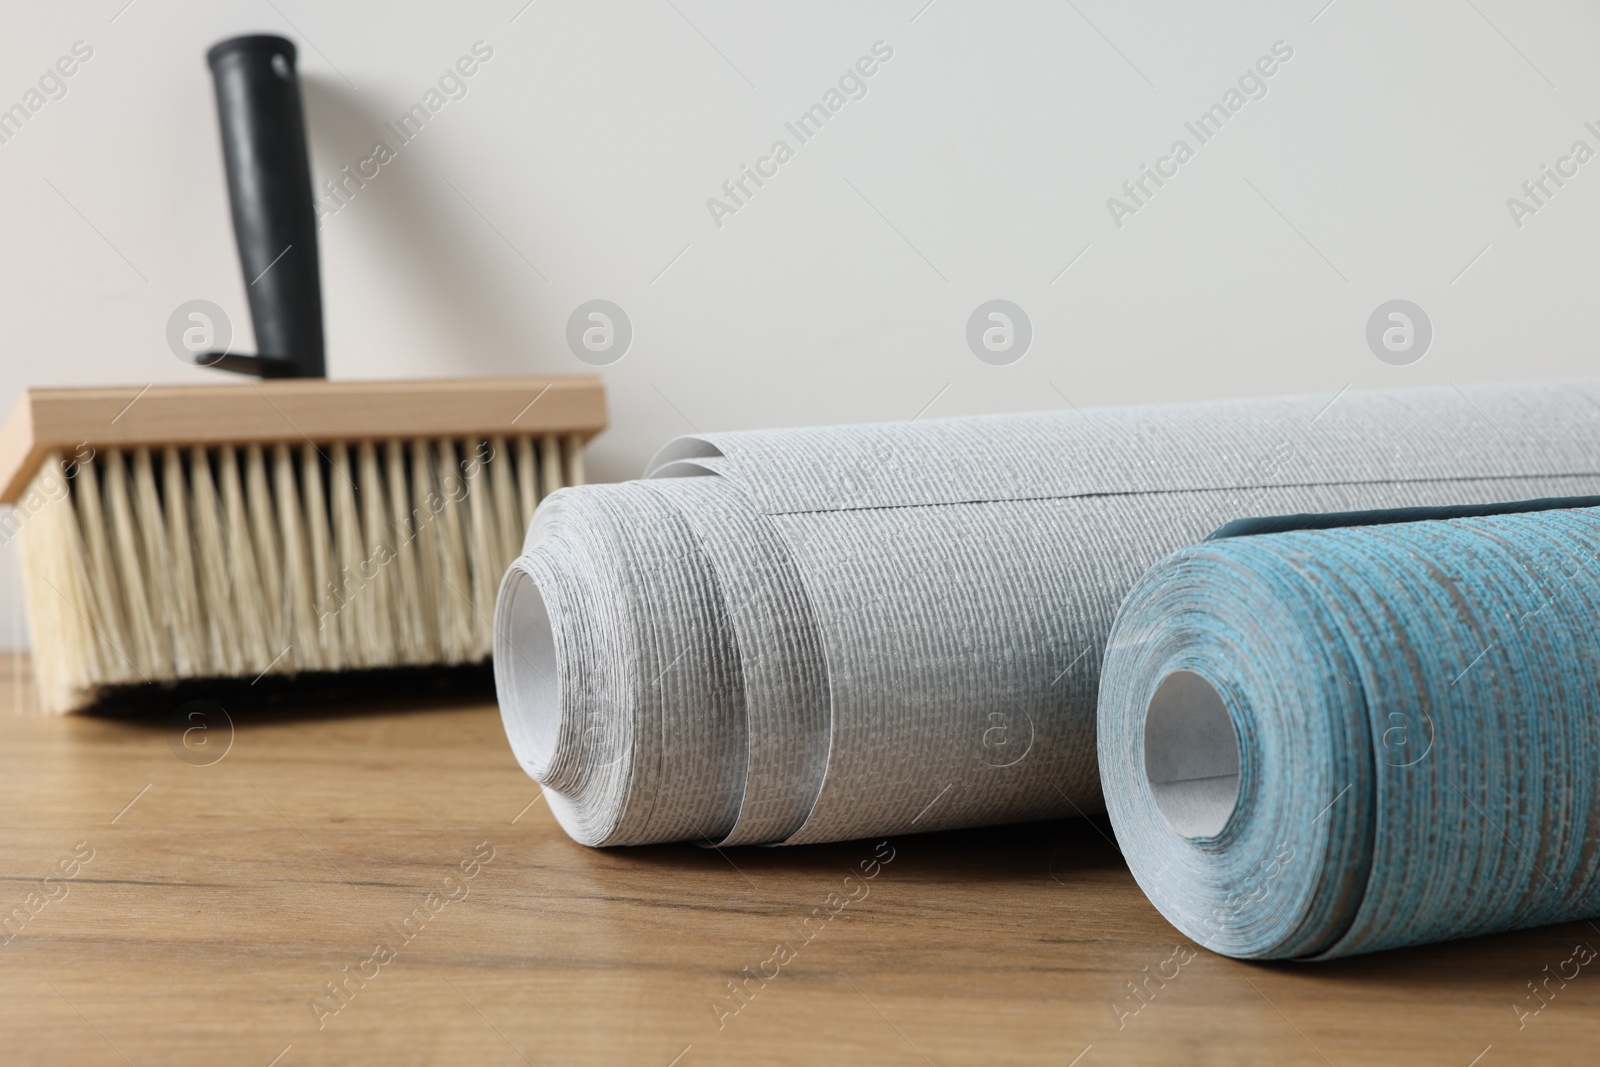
(176, 534)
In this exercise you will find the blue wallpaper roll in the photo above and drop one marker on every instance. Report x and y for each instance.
(1330, 741)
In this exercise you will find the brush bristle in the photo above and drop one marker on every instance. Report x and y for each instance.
(151, 565)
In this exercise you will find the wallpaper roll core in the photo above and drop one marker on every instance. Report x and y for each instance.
(1326, 742)
(818, 634)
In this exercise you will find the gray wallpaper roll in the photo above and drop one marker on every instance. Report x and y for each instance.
(817, 634)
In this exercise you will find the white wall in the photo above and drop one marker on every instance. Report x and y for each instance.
(977, 166)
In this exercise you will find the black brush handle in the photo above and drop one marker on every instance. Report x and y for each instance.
(269, 186)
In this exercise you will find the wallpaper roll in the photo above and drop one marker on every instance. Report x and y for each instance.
(818, 634)
(1325, 742)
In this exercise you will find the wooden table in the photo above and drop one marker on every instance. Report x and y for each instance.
(218, 901)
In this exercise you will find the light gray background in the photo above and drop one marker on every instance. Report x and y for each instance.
(977, 167)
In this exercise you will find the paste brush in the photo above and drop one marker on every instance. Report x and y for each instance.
(284, 526)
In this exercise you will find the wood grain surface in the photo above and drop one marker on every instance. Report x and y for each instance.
(218, 901)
